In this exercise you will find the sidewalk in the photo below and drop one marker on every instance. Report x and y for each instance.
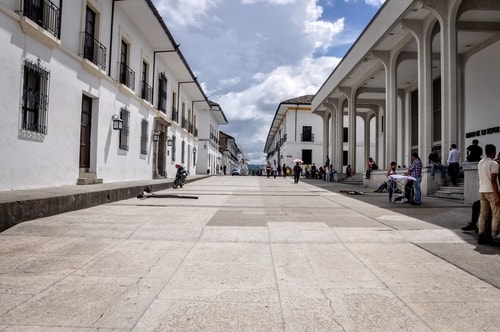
(17, 206)
(250, 254)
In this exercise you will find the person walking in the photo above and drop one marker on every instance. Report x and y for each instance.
(489, 196)
(415, 170)
(297, 170)
(453, 163)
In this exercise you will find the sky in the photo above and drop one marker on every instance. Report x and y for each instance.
(250, 55)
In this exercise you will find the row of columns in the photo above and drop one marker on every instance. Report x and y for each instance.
(396, 139)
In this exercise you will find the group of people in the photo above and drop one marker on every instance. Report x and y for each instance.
(487, 222)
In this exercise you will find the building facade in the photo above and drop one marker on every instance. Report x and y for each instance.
(422, 74)
(296, 133)
(210, 154)
(93, 91)
(231, 155)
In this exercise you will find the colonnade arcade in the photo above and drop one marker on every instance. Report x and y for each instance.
(408, 89)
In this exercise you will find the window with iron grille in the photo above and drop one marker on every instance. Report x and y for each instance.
(183, 150)
(144, 136)
(35, 100)
(174, 149)
(162, 91)
(124, 133)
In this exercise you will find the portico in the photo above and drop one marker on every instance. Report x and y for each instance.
(410, 73)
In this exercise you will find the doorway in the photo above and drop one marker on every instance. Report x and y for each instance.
(85, 132)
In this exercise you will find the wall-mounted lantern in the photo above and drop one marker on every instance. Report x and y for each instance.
(194, 149)
(156, 136)
(169, 141)
(117, 122)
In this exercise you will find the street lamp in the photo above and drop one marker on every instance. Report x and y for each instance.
(117, 122)
(156, 136)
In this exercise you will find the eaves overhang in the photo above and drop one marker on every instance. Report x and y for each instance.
(385, 19)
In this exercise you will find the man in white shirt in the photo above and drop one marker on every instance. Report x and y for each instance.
(453, 163)
(487, 170)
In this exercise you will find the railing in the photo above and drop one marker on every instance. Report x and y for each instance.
(127, 76)
(307, 137)
(175, 115)
(94, 51)
(146, 92)
(184, 122)
(190, 127)
(195, 132)
(45, 14)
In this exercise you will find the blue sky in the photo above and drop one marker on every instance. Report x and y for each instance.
(250, 55)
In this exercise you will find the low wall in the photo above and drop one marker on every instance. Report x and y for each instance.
(15, 212)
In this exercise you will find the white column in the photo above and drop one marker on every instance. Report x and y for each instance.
(339, 137)
(422, 33)
(326, 135)
(389, 60)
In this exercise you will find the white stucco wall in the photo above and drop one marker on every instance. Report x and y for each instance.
(482, 102)
(53, 159)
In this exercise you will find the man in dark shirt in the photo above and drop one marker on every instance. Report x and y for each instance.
(474, 152)
(435, 162)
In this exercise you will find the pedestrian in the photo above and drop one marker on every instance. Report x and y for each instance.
(372, 166)
(297, 170)
(269, 168)
(275, 170)
(224, 169)
(474, 152)
(415, 171)
(284, 170)
(453, 163)
(489, 196)
(435, 162)
(348, 171)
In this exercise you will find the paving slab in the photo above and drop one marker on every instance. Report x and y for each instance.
(250, 254)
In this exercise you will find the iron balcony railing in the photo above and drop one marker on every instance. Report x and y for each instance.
(146, 92)
(307, 137)
(184, 123)
(127, 76)
(45, 14)
(175, 115)
(94, 51)
(195, 132)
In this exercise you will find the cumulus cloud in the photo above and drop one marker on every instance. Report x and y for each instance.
(374, 3)
(250, 55)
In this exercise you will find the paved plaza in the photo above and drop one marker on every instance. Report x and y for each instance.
(250, 254)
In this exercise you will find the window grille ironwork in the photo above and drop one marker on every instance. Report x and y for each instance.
(127, 76)
(144, 136)
(35, 99)
(94, 50)
(162, 91)
(44, 13)
(124, 132)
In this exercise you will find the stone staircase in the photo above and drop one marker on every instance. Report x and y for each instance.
(355, 180)
(87, 177)
(451, 192)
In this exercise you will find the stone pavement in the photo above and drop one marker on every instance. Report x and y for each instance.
(250, 254)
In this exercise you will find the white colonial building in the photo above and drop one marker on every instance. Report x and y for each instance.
(424, 73)
(209, 153)
(93, 91)
(231, 155)
(296, 133)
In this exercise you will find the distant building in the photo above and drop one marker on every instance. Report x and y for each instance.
(93, 91)
(296, 133)
(210, 154)
(231, 153)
